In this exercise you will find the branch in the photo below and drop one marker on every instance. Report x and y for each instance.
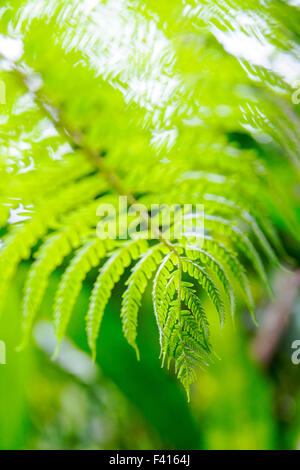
(76, 138)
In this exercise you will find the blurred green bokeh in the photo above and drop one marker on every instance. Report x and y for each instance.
(122, 404)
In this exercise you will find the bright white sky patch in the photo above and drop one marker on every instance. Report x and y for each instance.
(259, 53)
(12, 49)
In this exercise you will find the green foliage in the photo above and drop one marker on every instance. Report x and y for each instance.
(85, 259)
(110, 274)
(93, 113)
(137, 283)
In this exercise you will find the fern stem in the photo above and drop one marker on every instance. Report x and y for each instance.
(76, 139)
(179, 289)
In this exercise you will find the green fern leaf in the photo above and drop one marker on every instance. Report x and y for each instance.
(237, 269)
(137, 284)
(198, 273)
(109, 275)
(221, 225)
(207, 259)
(86, 258)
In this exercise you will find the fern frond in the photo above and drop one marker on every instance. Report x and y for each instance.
(237, 269)
(237, 210)
(85, 259)
(137, 284)
(193, 123)
(186, 335)
(21, 239)
(163, 290)
(109, 275)
(220, 225)
(206, 258)
(198, 273)
(45, 181)
(49, 256)
(199, 319)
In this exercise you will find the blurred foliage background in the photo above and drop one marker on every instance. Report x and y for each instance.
(120, 403)
(247, 399)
